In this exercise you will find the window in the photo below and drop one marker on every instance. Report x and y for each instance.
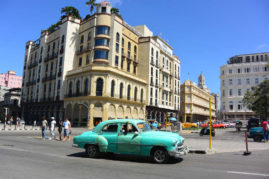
(238, 70)
(70, 91)
(99, 87)
(223, 82)
(61, 61)
(82, 39)
(117, 47)
(121, 90)
(122, 61)
(100, 54)
(135, 94)
(59, 84)
(86, 86)
(116, 60)
(102, 30)
(239, 92)
(247, 70)
(89, 36)
(80, 61)
(239, 81)
(230, 71)
(129, 92)
(101, 42)
(230, 81)
(230, 92)
(247, 59)
(247, 81)
(122, 42)
(151, 92)
(231, 106)
(112, 88)
(256, 80)
(129, 46)
(223, 93)
(152, 52)
(134, 69)
(128, 66)
(239, 107)
(141, 95)
(118, 37)
(62, 41)
(110, 128)
(87, 59)
(78, 87)
(135, 49)
(103, 9)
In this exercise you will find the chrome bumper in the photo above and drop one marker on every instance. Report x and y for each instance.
(179, 151)
(75, 145)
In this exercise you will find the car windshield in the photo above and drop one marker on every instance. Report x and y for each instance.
(143, 127)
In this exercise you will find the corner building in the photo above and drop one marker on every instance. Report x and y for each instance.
(239, 74)
(100, 75)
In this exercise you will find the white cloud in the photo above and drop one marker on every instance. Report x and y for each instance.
(262, 47)
(113, 2)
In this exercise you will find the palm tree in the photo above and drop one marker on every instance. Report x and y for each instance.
(115, 10)
(92, 3)
(70, 11)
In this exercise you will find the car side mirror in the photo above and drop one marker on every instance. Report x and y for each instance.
(136, 133)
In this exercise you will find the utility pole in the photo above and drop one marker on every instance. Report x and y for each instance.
(6, 117)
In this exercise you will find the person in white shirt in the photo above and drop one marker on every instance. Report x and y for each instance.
(67, 129)
(52, 127)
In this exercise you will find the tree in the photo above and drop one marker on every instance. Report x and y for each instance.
(115, 11)
(54, 27)
(92, 4)
(70, 11)
(257, 99)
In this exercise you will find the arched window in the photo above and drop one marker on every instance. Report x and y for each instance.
(99, 87)
(121, 90)
(78, 87)
(141, 95)
(129, 92)
(89, 36)
(82, 39)
(86, 86)
(70, 91)
(112, 88)
(135, 94)
(62, 39)
(129, 46)
(118, 37)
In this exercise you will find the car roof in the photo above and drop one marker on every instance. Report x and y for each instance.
(111, 121)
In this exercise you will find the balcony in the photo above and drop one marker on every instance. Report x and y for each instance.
(76, 94)
(48, 78)
(84, 50)
(35, 63)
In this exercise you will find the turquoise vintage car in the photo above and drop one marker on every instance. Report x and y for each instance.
(131, 136)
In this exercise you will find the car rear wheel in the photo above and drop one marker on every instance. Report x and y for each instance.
(257, 138)
(92, 151)
(160, 155)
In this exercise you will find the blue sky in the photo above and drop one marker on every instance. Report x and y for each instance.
(203, 33)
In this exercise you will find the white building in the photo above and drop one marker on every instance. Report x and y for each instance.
(239, 75)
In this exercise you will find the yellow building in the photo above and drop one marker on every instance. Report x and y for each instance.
(195, 101)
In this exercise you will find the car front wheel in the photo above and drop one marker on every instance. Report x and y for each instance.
(160, 155)
(92, 151)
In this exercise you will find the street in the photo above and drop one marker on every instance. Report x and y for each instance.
(27, 156)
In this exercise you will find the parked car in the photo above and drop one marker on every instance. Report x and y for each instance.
(206, 131)
(256, 133)
(253, 122)
(130, 136)
(204, 125)
(189, 125)
(219, 125)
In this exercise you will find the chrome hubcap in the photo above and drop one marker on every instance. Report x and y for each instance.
(159, 155)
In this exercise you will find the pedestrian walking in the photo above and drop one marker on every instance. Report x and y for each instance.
(265, 128)
(67, 129)
(11, 121)
(34, 124)
(52, 127)
(44, 125)
(60, 127)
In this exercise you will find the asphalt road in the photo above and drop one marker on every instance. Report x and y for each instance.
(30, 157)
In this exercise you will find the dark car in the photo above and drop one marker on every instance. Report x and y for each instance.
(253, 122)
(256, 133)
(206, 131)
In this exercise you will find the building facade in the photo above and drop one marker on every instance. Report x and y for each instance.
(10, 80)
(195, 101)
(239, 75)
(97, 68)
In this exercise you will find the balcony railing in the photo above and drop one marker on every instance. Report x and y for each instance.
(83, 50)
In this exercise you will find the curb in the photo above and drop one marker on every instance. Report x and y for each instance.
(201, 151)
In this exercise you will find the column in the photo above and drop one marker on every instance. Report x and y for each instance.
(90, 121)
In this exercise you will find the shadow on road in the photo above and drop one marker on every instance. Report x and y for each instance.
(128, 158)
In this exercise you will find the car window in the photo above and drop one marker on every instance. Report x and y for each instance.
(131, 128)
(143, 126)
(110, 128)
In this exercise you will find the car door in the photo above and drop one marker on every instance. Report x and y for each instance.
(129, 141)
(110, 132)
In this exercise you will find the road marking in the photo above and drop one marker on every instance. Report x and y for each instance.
(246, 173)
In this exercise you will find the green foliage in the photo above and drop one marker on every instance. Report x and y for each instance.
(70, 11)
(257, 99)
(54, 27)
(115, 11)
(92, 4)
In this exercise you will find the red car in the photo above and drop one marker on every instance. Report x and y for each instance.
(220, 125)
